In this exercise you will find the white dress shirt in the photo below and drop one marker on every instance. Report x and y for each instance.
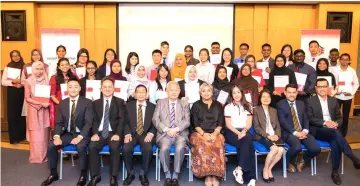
(101, 126)
(354, 82)
(70, 105)
(325, 109)
(107, 69)
(206, 72)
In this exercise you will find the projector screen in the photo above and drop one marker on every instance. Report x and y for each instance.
(142, 27)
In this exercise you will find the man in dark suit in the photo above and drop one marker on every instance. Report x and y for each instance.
(139, 130)
(73, 124)
(295, 128)
(107, 129)
(325, 119)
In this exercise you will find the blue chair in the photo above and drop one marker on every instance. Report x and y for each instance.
(303, 148)
(172, 153)
(326, 146)
(69, 149)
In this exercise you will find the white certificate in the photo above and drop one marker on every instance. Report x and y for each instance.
(160, 94)
(93, 91)
(257, 78)
(328, 78)
(13, 73)
(263, 66)
(121, 88)
(229, 72)
(64, 92)
(192, 92)
(42, 93)
(280, 83)
(29, 71)
(345, 82)
(301, 80)
(215, 59)
(81, 72)
(240, 65)
(222, 98)
(248, 97)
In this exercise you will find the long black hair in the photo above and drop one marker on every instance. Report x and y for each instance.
(168, 78)
(243, 102)
(128, 64)
(106, 51)
(222, 56)
(95, 65)
(82, 50)
(59, 74)
(291, 52)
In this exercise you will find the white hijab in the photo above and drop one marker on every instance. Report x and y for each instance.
(187, 71)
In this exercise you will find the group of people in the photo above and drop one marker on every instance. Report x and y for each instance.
(196, 105)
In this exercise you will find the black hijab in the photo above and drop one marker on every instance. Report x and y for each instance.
(221, 84)
(279, 70)
(323, 72)
(12, 64)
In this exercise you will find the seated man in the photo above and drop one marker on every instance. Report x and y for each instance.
(295, 128)
(73, 123)
(325, 121)
(139, 130)
(107, 129)
(172, 119)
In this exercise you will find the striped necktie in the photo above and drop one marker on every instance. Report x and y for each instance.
(140, 126)
(72, 124)
(105, 131)
(172, 115)
(295, 120)
(164, 60)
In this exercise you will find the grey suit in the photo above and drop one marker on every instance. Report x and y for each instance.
(161, 120)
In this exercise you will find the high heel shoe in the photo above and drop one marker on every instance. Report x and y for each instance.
(265, 180)
(272, 179)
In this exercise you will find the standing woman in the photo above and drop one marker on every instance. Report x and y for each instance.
(227, 59)
(104, 69)
(60, 53)
(91, 74)
(248, 84)
(191, 78)
(157, 88)
(38, 119)
(255, 72)
(138, 77)
(82, 58)
(221, 82)
(207, 143)
(268, 132)
(63, 73)
(15, 100)
(287, 51)
(35, 56)
(178, 70)
(116, 72)
(322, 69)
(279, 70)
(238, 119)
(131, 62)
(206, 70)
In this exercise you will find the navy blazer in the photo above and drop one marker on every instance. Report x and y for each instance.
(285, 116)
(101, 71)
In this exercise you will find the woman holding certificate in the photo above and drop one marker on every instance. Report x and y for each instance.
(104, 69)
(177, 72)
(91, 74)
(131, 62)
(207, 143)
(322, 71)
(35, 56)
(268, 133)
(37, 93)
(238, 119)
(221, 84)
(157, 88)
(190, 86)
(227, 59)
(279, 71)
(15, 97)
(248, 84)
(138, 77)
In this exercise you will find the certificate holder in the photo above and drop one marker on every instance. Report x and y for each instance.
(280, 83)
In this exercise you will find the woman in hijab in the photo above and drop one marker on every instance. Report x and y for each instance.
(177, 72)
(116, 71)
(138, 77)
(38, 120)
(15, 98)
(255, 72)
(191, 83)
(279, 70)
(248, 84)
(221, 82)
(322, 71)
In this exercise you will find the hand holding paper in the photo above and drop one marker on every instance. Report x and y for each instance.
(222, 97)
(301, 80)
(93, 91)
(280, 83)
(64, 92)
(121, 88)
(81, 72)
(42, 93)
(13, 74)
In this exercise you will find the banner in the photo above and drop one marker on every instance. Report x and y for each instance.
(52, 38)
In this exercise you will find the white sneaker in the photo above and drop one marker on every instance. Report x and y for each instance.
(238, 175)
(251, 182)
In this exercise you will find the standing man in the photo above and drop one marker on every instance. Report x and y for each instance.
(73, 123)
(164, 48)
(334, 59)
(244, 49)
(172, 120)
(295, 129)
(189, 55)
(266, 53)
(156, 57)
(215, 57)
(107, 129)
(315, 53)
(139, 130)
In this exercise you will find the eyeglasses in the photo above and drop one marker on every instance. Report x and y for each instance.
(93, 68)
(322, 86)
(83, 56)
(188, 50)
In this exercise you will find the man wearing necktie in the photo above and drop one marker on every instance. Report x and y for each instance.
(164, 48)
(139, 130)
(107, 129)
(295, 129)
(73, 124)
(172, 120)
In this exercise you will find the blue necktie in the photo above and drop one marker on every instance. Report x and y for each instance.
(164, 60)
(105, 132)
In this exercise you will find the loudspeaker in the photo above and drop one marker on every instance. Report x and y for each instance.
(13, 25)
(342, 21)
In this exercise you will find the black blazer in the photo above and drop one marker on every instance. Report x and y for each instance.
(84, 116)
(315, 114)
(182, 87)
(117, 115)
(131, 121)
(102, 71)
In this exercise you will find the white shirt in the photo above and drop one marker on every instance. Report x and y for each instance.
(355, 81)
(143, 108)
(325, 109)
(108, 70)
(237, 114)
(155, 93)
(101, 126)
(206, 72)
(312, 61)
(70, 107)
(269, 129)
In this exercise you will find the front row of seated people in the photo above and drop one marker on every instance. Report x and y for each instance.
(206, 127)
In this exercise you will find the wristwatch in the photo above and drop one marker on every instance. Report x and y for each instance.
(202, 133)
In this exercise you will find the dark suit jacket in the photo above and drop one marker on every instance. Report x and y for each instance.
(131, 121)
(271, 62)
(259, 120)
(285, 116)
(84, 116)
(117, 115)
(182, 87)
(102, 71)
(315, 114)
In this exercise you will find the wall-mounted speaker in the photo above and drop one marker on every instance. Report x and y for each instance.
(13, 25)
(342, 21)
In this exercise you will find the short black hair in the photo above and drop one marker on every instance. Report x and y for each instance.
(321, 79)
(345, 54)
(60, 46)
(244, 44)
(156, 51)
(107, 78)
(164, 43)
(204, 49)
(299, 51)
(291, 86)
(266, 45)
(334, 50)
(139, 86)
(314, 41)
(73, 79)
(262, 92)
(189, 46)
(215, 43)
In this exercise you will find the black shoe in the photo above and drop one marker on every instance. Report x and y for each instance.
(336, 178)
(94, 180)
(174, 182)
(129, 179)
(357, 164)
(144, 180)
(167, 182)
(49, 180)
(272, 179)
(82, 181)
(265, 180)
(113, 181)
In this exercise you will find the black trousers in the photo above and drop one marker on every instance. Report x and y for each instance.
(94, 149)
(346, 106)
(337, 142)
(313, 148)
(146, 152)
(66, 138)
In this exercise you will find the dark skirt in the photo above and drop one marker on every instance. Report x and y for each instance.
(16, 122)
(265, 142)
